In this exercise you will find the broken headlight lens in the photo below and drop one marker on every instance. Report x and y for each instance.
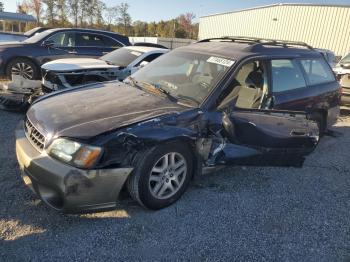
(74, 153)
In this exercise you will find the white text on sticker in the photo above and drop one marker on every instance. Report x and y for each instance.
(220, 61)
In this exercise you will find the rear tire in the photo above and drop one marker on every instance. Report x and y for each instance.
(23, 67)
(161, 175)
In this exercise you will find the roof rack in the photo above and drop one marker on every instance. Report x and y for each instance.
(258, 41)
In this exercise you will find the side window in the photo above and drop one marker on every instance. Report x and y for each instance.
(249, 89)
(63, 39)
(109, 42)
(286, 75)
(90, 40)
(149, 58)
(317, 71)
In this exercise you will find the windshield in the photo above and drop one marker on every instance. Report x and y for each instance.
(345, 59)
(121, 57)
(38, 37)
(31, 31)
(184, 75)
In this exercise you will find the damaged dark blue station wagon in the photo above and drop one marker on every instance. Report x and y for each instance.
(216, 102)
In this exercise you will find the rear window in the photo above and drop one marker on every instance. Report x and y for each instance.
(92, 40)
(317, 71)
(286, 75)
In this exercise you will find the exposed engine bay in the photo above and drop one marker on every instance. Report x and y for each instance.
(56, 80)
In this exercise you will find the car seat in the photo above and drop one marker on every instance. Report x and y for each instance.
(206, 76)
(250, 95)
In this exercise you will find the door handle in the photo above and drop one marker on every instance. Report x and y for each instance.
(105, 53)
(298, 132)
(72, 52)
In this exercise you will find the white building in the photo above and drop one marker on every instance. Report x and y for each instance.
(170, 43)
(321, 26)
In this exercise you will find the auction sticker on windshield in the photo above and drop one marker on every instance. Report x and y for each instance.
(220, 61)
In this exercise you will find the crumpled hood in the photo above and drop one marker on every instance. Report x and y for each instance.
(90, 111)
(72, 64)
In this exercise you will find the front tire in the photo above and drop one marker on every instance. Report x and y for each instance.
(161, 175)
(23, 67)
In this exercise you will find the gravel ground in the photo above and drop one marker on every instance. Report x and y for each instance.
(238, 213)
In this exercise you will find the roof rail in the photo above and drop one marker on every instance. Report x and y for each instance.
(258, 41)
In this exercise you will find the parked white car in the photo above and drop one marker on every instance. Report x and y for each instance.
(117, 65)
(343, 67)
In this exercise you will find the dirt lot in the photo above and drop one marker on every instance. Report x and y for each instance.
(239, 213)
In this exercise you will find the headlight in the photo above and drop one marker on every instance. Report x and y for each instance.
(74, 153)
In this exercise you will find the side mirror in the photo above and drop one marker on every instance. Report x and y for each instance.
(143, 64)
(48, 43)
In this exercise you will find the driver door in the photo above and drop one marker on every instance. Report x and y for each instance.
(64, 47)
(249, 125)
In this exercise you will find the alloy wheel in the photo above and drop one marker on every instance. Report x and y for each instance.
(167, 175)
(23, 70)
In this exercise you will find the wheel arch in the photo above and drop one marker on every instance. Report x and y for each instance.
(31, 59)
(191, 144)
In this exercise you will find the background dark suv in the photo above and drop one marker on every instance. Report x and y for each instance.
(25, 58)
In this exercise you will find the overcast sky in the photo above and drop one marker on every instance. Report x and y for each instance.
(155, 10)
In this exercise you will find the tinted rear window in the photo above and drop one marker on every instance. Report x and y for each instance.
(317, 71)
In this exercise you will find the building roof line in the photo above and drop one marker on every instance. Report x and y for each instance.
(274, 5)
(16, 17)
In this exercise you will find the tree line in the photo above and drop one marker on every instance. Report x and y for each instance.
(95, 14)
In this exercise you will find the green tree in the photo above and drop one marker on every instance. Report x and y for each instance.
(22, 8)
(100, 8)
(140, 28)
(62, 12)
(1, 7)
(152, 29)
(84, 9)
(186, 23)
(111, 14)
(74, 11)
(35, 7)
(124, 17)
(51, 8)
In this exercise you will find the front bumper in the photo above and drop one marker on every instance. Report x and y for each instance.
(64, 187)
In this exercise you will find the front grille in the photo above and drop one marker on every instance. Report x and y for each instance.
(36, 138)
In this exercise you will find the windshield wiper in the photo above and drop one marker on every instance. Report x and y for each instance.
(143, 85)
(162, 90)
